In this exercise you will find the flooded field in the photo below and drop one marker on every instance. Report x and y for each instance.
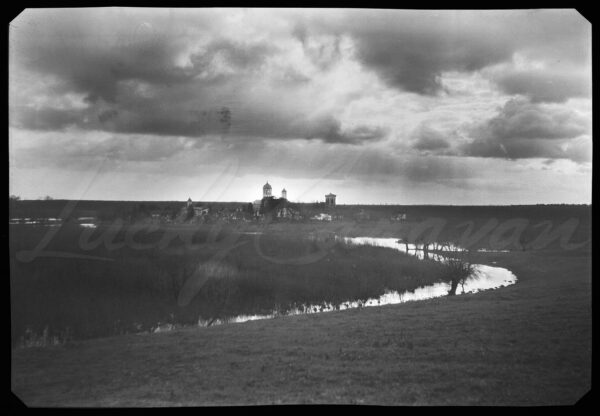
(85, 222)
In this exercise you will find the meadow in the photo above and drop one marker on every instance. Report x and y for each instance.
(526, 344)
(99, 293)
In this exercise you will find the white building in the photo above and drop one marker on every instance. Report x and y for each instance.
(322, 217)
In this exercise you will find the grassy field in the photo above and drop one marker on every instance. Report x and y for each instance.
(527, 344)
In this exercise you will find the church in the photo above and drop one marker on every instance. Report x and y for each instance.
(281, 207)
(269, 203)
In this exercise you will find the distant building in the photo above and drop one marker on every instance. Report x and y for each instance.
(190, 211)
(287, 212)
(256, 206)
(330, 200)
(200, 211)
(270, 205)
(267, 190)
(322, 217)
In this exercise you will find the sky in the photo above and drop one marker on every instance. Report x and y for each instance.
(375, 106)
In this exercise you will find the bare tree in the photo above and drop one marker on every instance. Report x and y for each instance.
(458, 267)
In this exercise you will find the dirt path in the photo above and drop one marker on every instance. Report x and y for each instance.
(525, 344)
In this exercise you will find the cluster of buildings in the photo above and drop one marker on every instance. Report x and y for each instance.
(198, 211)
(272, 207)
(280, 207)
(268, 189)
(268, 205)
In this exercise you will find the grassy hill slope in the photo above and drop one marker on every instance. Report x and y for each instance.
(529, 343)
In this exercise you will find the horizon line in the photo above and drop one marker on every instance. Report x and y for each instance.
(307, 202)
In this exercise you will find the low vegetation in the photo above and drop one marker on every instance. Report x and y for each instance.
(202, 274)
(127, 276)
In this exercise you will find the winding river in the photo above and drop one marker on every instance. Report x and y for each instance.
(484, 278)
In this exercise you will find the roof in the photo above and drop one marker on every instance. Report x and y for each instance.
(330, 195)
(267, 186)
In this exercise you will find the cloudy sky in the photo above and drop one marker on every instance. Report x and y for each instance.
(376, 106)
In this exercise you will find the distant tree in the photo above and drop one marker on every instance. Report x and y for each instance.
(138, 212)
(190, 212)
(14, 198)
(173, 211)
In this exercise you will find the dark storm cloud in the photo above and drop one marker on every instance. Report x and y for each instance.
(330, 131)
(170, 74)
(90, 61)
(96, 65)
(133, 85)
(546, 85)
(525, 130)
(519, 149)
(107, 115)
(146, 119)
(413, 61)
(217, 121)
(521, 119)
(410, 49)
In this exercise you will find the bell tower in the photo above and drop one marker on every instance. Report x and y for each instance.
(267, 190)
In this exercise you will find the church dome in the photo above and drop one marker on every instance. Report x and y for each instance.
(267, 186)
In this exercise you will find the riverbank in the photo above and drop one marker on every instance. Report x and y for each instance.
(524, 344)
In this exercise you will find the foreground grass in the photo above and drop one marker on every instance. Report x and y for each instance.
(527, 344)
